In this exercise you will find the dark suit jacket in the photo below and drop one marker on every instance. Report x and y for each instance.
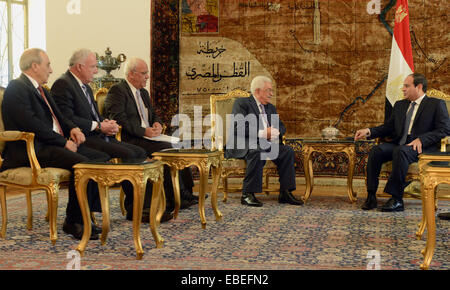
(72, 101)
(23, 109)
(121, 106)
(430, 125)
(245, 131)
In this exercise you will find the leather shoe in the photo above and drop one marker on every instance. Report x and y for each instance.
(96, 229)
(250, 200)
(393, 205)
(444, 215)
(76, 230)
(287, 197)
(370, 203)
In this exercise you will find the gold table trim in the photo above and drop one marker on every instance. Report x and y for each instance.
(106, 175)
(204, 161)
(430, 178)
(328, 148)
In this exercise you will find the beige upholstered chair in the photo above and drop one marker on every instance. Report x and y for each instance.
(30, 178)
(413, 189)
(221, 106)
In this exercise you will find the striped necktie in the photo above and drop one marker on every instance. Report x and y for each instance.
(58, 126)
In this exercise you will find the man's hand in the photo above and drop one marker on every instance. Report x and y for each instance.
(151, 132)
(416, 144)
(77, 136)
(109, 127)
(362, 133)
(157, 128)
(70, 145)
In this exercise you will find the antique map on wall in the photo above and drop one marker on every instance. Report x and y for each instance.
(325, 56)
(200, 16)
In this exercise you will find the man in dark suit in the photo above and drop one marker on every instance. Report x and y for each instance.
(75, 99)
(29, 107)
(255, 137)
(129, 103)
(416, 125)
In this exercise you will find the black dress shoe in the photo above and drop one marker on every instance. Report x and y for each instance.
(250, 200)
(370, 203)
(287, 197)
(393, 205)
(76, 230)
(444, 216)
(96, 229)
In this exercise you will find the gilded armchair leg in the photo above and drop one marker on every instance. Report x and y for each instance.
(47, 215)
(29, 210)
(216, 170)
(4, 211)
(204, 172)
(225, 188)
(52, 193)
(122, 202)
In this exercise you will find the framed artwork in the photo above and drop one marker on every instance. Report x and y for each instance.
(199, 16)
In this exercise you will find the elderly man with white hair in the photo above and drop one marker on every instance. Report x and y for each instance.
(129, 103)
(257, 131)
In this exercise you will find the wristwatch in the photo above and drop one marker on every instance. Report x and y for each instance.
(99, 127)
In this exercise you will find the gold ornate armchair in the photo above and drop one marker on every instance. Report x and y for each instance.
(413, 189)
(30, 178)
(221, 106)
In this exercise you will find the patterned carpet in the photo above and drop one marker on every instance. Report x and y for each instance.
(327, 233)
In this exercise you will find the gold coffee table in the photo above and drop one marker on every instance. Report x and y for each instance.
(434, 170)
(328, 147)
(205, 160)
(106, 174)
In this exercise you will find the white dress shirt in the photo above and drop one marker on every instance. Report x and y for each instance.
(145, 111)
(36, 85)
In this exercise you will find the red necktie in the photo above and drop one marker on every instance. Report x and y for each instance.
(60, 131)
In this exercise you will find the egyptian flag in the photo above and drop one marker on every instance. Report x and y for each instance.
(401, 64)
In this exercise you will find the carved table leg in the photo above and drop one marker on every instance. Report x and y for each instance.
(138, 201)
(81, 185)
(104, 200)
(351, 169)
(307, 166)
(176, 190)
(156, 207)
(431, 226)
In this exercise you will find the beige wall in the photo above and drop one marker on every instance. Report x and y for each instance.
(118, 24)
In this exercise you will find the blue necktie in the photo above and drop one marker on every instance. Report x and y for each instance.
(86, 94)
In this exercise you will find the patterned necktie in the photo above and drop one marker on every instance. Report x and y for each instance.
(264, 115)
(86, 94)
(58, 126)
(141, 107)
(407, 122)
